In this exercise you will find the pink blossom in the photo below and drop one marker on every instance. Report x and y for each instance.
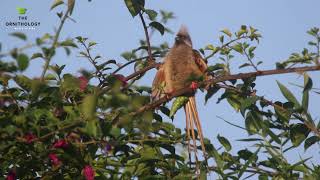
(88, 172)
(29, 137)
(11, 176)
(54, 159)
(60, 144)
(83, 83)
(121, 78)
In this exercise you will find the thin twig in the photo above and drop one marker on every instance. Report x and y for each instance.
(54, 43)
(250, 60)
(224, 45)
(147, 36)
(151, 66)
(132, 61)
(58, 130)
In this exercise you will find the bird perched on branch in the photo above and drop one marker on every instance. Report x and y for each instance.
(182, 65)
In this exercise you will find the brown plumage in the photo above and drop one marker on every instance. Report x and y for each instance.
(181, 63)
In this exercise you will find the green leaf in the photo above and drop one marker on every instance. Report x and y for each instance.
(238, 47)
(71, 5)
(19, 35)
(244, 65)
(151, 13)
(134, 6)
(283, 111)
(307, 87)
(158, 26)
(88, 106)
(217, 157)
(23, 81)
(227, 32)
(210, 47)
(165, 110)
(252, 157)
(298, 133)
(68, 42)
(177, 104)
(288, 95)
(56, 3)
(246, 103)
(263, 177)
(307, 82)
(92, 44)
(210, 92)
(36, 55)
(128, 55)
(224, 141)
(91, 128)
(23, 62)
(273, 136)
(310, 141)
(253, 122)
(221, 39)
(215, 67)
(115, 132)
(245, 154)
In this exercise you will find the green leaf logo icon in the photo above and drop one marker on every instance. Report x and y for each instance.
(21, 10)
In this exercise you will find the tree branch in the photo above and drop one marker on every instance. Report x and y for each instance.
(147, 36)
(151, 66)
(187, 90)
(54, 43)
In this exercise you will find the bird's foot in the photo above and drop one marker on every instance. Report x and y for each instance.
(194, 85)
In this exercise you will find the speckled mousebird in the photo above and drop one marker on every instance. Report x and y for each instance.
(180, 63)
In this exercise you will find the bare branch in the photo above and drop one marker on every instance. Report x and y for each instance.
(147, 36)
(222, 79)
(54, 43)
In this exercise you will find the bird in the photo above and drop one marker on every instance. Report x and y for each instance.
(181, 64)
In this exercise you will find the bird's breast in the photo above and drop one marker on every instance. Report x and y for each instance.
(180, 65)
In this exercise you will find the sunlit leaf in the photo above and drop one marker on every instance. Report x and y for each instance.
(298, 133)
(56, 3)
(19, 35)
(158, 26)
(288, 95)
(224, 141)
(134, 6)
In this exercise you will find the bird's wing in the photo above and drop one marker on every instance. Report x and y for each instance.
(201, 63)
(158, 85)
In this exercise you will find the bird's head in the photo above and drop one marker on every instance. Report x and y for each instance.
(183, 37)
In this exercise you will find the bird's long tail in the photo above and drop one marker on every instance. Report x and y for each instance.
(192, 122)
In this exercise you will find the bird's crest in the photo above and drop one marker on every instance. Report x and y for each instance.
(183, 31)
(183, 36)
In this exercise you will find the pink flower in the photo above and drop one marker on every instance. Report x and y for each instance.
(194, 85)
(29, 137)
(11, 176)
(121, 78)
(83, 83)
(60, 144)
(88, 172)
(54, 159)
